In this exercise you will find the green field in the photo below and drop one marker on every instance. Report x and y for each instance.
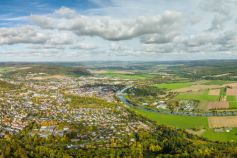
(232, 101)
(174, 85)
(221, 136)
(183, 122)
(187, 122)
(231, 98)
(198, 96)
(233, 104)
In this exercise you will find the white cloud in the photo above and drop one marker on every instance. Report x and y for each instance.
(159, 38)
(65, 12)
(118, 47)
(25, 34)
(44, 39)
(86, 46)
(61, 38)
(109, 28)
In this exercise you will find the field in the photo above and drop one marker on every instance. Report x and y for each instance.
(218, 105)
(203, 106)
(197, 88)
(218, 82)
(231, 98)
(221, 136)
(188, 122)
(173, 120)
(214, 92)
(219, 122)
(233, 105)
(231, 92)
(201, 96)
(232, 101)
(212, 95)
(174, 85)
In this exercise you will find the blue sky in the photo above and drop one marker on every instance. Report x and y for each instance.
(78, 30)
(13, 12)
(26, 7)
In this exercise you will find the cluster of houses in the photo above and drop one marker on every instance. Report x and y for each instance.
(46, 131)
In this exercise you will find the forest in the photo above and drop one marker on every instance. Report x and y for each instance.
(162, 142)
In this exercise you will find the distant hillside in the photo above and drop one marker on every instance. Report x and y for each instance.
(52, 70)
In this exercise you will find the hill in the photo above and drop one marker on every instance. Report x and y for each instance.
(51, 70)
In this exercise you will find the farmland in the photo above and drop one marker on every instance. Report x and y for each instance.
(231, 92)
(218, 82)
(221, 136)
(231, 98)
(173, 120)
(233, 105)
(232, 101)
(210, 96)
(215, 96)
(189, 122)
(201, 96)
(174, 85)
(219, 122)
(218, 105)
(214, 92)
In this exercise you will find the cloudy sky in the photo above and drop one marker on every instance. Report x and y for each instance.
(149, 30)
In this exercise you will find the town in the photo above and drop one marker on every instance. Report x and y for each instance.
(57, 104)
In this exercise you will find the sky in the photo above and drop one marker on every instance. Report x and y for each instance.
(126, 30)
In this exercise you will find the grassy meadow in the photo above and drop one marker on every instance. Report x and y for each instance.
(189, 122)
(221, 136)
(174, 85)
(183, 122)
(201, 96)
